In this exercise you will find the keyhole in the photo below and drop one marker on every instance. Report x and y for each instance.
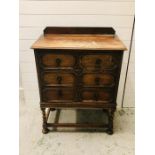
(60, 93)
(59, 79)
(58, 62)
(96, 96)
(98, 62)
(97, 80)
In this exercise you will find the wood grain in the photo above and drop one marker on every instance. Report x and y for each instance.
(58, 78)
(50, 60)
(92, 55)
(55, 94)
(85, 42)
(98, 79)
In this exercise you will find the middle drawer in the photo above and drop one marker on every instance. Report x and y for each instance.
(61, 78)
(98, 80)
(58, 78)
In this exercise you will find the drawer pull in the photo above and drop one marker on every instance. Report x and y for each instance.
(96, 96)
(59, 79)
(60, 94)
(98, 63)
(97, 80)
(58, 62)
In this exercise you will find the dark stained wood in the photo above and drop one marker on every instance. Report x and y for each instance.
(58, 79)
(99, 61)
(97, 95)
(57, 94)
(79, 105)
(79, 30)
(98, 80)
(77, 125)
(57, 60)
(78, 78)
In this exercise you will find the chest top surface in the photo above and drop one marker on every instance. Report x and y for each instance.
(79, 38)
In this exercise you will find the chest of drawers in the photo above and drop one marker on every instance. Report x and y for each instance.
(78, 68)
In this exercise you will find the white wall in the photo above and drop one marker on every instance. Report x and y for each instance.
(129, 95)
(36, 15)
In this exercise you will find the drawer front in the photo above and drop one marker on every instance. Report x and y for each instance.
(57, 94)
(58, 78)
(104, 79)
(97, 95)
(99, 61)
(57, 60)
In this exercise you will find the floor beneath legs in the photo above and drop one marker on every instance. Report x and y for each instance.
(68, 142)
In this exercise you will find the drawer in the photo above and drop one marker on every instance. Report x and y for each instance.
(58, 78)
(97, 95)
(57, 60)
(104, 79)
(57, 94)
(105, 61)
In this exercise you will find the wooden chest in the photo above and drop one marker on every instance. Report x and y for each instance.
(78, 68)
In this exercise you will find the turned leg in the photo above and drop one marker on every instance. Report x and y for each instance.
(110, 121)
(44, 125)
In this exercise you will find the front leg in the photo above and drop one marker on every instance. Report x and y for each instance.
(44, 125)
(110, 121)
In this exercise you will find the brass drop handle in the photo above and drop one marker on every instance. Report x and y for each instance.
(58, 62)
(96, 96)
(98, 62)
(60, 94)
(59, 79)
(97, 80)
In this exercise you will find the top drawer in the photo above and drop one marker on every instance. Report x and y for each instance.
(105, 61)
(57, 61)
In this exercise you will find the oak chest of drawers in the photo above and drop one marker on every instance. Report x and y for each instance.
(78, 68)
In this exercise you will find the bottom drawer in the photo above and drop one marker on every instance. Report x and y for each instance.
(57, 94)
(97, 95)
